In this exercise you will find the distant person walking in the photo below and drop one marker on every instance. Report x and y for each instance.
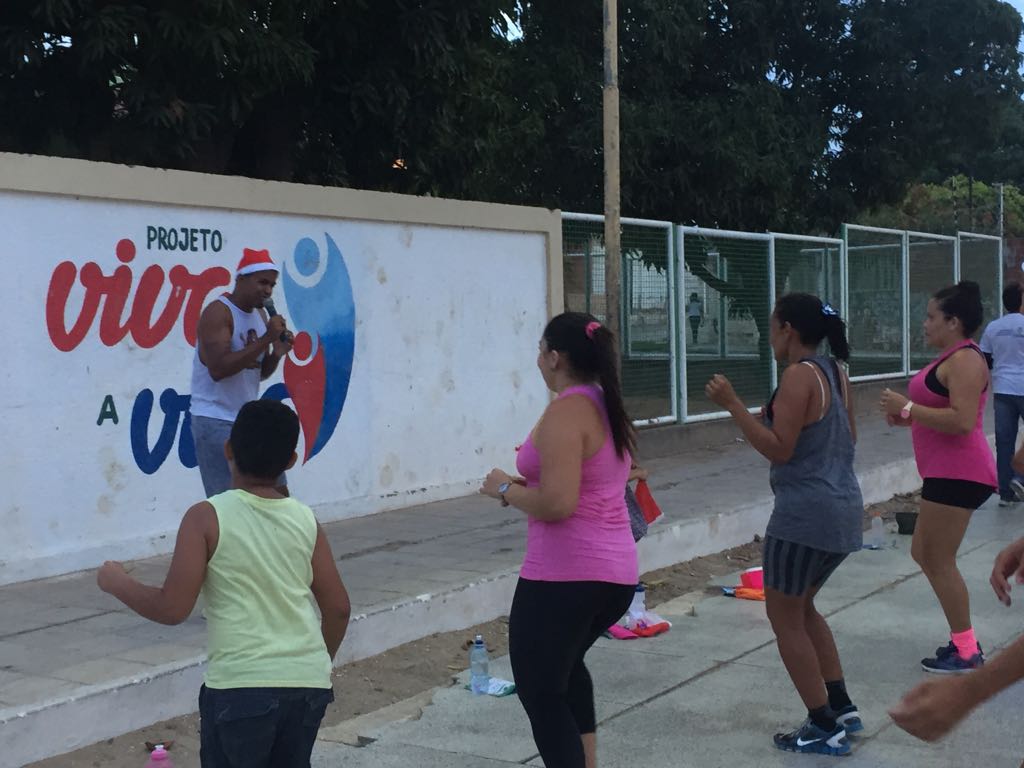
(945, 411)
(807, 433)
(1003, 347)
(695, 314)
(580, 570)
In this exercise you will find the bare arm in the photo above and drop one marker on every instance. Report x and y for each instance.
(214, 340)
(932, 709)
(560, 439)
(775, 443)
(966, 377)
(173, 602)
(330, 594)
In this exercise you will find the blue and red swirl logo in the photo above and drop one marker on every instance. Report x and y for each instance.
(318, 292)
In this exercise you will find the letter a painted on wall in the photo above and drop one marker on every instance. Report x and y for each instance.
(107, 411)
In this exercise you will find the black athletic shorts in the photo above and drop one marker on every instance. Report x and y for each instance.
(965, 494)
(793, 569)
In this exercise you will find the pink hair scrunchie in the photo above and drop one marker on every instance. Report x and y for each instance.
(592, 326)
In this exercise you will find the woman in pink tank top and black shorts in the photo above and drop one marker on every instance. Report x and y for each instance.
(580, 569)
(945, 411)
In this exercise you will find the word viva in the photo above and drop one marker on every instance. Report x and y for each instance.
(188, 292)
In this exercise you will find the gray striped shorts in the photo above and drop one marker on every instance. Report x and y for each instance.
(793, 569)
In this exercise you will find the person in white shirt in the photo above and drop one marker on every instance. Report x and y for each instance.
(1003, 345)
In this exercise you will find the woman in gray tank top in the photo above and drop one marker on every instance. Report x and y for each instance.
(807, 432)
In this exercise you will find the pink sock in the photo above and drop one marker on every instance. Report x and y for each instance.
(966, 643)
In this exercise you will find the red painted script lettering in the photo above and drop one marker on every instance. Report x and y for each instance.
(114, 291)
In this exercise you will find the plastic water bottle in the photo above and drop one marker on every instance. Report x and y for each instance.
(639, 604)
(637, 608)
(479, 678)
(876, 535)
(159, 758)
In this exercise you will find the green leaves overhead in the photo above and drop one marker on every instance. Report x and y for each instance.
(791, 114)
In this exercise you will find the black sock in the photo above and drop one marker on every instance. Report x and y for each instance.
(837, 695)
(823, 717)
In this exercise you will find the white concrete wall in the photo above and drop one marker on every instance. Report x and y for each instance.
(449, 302)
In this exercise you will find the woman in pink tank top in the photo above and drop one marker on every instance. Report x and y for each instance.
(580, 569)
(945, 412)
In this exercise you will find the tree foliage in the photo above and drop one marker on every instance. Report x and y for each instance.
(792, 114)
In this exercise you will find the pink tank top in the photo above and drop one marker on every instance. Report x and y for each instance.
(941, 455)
(595, 542)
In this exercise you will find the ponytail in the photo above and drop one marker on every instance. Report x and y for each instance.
(623, 433)
(835, 332)
(814, 321)
(591, 350)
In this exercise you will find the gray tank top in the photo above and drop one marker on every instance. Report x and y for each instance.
(817, 497)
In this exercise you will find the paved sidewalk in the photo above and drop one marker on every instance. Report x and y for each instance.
(77, 667)
(711, 692)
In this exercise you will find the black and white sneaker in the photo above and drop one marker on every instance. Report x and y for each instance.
(809, 738)
(1017, 489)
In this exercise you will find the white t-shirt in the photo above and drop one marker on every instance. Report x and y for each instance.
(693, 309)
(1004, 340)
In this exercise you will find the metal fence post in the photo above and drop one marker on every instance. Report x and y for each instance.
(905, 278)
(680, 323)
(774, 366)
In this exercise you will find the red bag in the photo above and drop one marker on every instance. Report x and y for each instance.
(647, 503)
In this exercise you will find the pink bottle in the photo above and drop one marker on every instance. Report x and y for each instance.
(159, 758)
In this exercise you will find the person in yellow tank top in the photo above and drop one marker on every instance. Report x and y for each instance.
(258, 557)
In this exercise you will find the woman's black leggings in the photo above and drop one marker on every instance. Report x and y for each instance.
(551, 627)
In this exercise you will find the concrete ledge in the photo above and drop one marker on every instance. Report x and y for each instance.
(97, 712)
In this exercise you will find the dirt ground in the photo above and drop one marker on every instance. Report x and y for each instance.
(368, 685)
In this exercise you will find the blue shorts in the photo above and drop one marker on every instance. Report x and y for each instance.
(259, 726)
(209, 436)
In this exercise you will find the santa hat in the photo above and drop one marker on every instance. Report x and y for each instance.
(255, 261)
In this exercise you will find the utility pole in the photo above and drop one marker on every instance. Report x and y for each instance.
(612, 209)
(1001, 185)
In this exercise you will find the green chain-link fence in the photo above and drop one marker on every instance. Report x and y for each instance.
(931, 266)
(725, 298)
(809, 265)
(875, 308)
(648, 305)
(697, 301)
(981, 261)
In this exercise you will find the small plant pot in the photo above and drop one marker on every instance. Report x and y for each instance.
(906, 522)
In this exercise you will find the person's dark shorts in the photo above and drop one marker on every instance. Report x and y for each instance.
(260, 726)
(965, 494)
(794, 569)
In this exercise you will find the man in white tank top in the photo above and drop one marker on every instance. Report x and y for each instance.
(237, 346)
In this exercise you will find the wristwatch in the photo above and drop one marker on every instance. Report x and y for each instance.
(503, 489)
(905, 411)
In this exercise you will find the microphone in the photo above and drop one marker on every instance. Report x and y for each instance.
(268, 304)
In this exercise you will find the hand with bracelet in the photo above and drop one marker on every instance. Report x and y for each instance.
(896, 407)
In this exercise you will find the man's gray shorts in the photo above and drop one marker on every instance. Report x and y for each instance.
(209, 436)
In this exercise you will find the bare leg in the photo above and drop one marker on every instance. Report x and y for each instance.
(822, 640)
(788, 617)
(937, 537)
(590, 748)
